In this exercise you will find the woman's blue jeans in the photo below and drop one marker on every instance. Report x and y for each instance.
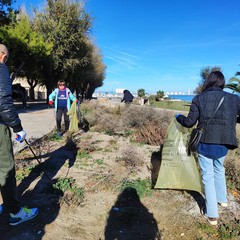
(214, 182)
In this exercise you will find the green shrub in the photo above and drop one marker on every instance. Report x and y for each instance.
(54, 137)
(68, 184)
(83, 154)
(142, 186)
(21, 173)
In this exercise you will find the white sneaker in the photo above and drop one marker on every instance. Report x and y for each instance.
(1, 209)
(224, 204)
(212, 221)
(23, 215)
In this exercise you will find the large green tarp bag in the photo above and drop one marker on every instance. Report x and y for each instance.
(73, 117)
(177, 169)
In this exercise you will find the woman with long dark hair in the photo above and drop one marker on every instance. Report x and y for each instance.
(219, 136)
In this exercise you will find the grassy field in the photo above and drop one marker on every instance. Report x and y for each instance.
(173, 105)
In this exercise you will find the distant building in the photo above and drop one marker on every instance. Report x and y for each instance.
(119, 90)
(39, 91)
(178, 93)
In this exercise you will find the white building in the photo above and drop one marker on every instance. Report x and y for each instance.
(39, 91)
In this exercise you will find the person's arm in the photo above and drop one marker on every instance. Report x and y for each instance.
(8, 113)
(123, 99)
(192, 116)
(52, 95)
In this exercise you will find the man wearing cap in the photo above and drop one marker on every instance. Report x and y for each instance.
(9, 119)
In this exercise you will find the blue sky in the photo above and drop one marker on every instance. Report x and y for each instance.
(163, 44)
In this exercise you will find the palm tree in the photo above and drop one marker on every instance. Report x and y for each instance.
(234, 84)
(141, 92)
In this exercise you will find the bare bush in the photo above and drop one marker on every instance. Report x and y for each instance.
(103, 118)
(135, 116)
(149, 124)
(131, 158)
(93, 113)
(152, 134)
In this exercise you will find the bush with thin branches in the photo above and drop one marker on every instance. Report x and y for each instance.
(146, 124)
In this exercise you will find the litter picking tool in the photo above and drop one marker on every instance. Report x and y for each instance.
(79, 113)
(39, 162)
(54, 111)
(16, 71)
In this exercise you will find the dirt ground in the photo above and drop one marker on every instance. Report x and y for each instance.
(108, 210)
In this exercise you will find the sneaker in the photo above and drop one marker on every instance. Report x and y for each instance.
(1, 209)
(212, 221)
(59, 134)
(25, 214)
(224, 204)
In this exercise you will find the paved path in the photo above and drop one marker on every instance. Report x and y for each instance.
(37, 120)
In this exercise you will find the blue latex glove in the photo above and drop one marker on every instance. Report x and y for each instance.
(21, 136)
(177, 115)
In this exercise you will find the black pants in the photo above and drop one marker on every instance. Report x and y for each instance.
(60, 112)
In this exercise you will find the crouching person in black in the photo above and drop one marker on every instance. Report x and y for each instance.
(127, 97)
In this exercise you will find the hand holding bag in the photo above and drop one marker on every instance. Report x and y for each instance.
(197, 133)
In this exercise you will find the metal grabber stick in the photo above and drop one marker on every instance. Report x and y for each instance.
(38, 161)
(54, 112)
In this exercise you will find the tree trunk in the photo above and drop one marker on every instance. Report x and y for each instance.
(31, 93)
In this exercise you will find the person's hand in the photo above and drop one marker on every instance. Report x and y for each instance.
(20, 136)
(177, 115)
(76, 100)
(50, 103)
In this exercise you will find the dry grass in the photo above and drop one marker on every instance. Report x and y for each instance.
(152, 134)
(131, 158)
(144, 124)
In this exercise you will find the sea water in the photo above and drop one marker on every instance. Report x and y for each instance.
(184, 98)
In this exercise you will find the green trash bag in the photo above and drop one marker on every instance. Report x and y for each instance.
(73, 117)
(178, 170)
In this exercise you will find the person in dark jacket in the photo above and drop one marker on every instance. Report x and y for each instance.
(127, 97)
(9, 119)
(218, 137)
